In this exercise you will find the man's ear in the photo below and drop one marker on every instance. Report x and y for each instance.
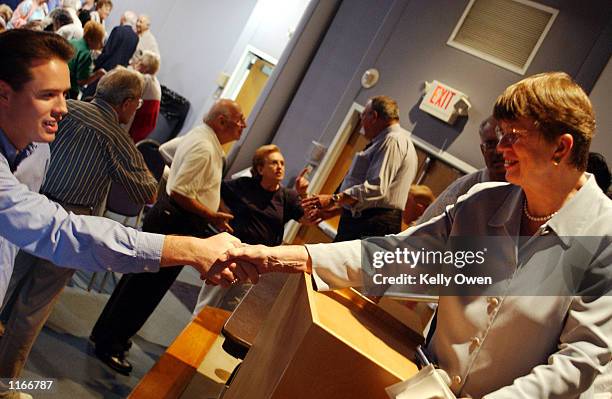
(5, 91)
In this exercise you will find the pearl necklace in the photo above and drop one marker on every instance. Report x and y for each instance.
(537, 218)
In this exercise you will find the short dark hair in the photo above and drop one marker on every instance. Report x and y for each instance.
(385, 107)
(20, 48)
(61, 16)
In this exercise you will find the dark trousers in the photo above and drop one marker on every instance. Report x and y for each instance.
(374, 222)
(137, 295)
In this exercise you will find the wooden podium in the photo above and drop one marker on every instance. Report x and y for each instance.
(325, 345)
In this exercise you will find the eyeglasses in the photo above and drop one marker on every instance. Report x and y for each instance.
(490, 144)
(511, 137)
(140, 101)
(241, 122)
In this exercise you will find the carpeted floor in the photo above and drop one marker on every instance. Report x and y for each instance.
(64, 353)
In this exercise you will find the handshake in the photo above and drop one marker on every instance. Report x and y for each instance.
(224, 260)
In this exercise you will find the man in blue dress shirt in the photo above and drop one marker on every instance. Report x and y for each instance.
(34, 78)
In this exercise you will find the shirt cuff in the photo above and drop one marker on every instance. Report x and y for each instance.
(357, 207)
(336, 265)
(149, 250)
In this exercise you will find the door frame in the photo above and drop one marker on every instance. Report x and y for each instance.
(335, 149)
(241, 71)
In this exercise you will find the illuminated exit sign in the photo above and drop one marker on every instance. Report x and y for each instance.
(444, 102)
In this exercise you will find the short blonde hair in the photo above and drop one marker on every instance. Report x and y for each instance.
(150, 61)
(557, 104)
(5, 12)
(259, 158)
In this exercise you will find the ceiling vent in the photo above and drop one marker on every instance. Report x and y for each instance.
(507, 33)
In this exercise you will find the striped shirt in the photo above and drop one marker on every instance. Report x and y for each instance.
(90, 151)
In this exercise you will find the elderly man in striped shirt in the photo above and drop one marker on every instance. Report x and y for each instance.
(91, 151)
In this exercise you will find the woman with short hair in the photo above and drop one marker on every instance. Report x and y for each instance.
(543, 329)
(81, 65)
(145, 118)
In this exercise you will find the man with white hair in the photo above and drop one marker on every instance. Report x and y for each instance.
(147, 41)
(119, 48)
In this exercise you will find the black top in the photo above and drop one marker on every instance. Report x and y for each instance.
(259, 215)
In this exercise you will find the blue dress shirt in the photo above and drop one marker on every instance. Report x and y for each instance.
(30, 221)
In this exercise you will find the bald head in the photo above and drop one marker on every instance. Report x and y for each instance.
(488, 146)
(487, 128)
(226, 119)
(223, 106)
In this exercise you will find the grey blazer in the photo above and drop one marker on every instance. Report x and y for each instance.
(511, 346)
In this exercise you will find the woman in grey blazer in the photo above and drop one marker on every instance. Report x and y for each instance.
(543, 328)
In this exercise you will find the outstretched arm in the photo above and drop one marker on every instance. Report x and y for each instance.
(201, 253)
(284, 258)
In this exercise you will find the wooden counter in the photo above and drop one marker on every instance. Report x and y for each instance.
(325, 345)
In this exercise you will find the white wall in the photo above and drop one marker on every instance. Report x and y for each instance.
(268, 30)
(199, 39)
(195, 38)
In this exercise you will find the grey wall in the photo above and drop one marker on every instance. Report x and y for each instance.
(602, 102)
(195, 37)
(406, 41)
(281, 88)
(329, 87)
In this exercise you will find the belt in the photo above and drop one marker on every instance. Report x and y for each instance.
(74, 208)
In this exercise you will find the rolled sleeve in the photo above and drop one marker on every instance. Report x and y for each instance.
(336, 265)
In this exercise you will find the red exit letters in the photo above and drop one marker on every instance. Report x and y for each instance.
(441, 97)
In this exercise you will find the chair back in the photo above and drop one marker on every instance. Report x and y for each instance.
(118, 201)
(150, 152)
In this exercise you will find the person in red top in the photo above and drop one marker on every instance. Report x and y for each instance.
(145, 118)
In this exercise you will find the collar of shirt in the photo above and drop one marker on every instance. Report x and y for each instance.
(106, 108)
(215, 140)
(577, 212)
(569, 220)
(381, 136)
(11, 154)
(509, 213)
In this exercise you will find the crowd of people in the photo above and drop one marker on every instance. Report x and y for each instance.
(59, 157)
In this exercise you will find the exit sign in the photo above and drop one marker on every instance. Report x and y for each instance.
(443, 102)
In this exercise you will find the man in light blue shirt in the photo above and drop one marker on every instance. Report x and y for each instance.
(33, 81)
(374, 191)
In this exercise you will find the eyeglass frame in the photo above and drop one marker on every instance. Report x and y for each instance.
(511, 137)
(241, 122)
(140, 101)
